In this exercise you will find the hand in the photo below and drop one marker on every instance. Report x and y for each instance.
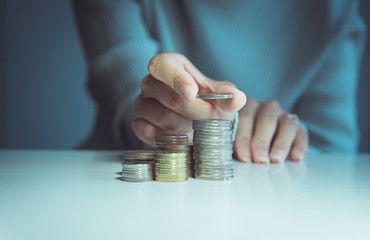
(266, 133)
(168, 104)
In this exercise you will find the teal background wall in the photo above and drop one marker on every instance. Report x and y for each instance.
(46, 104)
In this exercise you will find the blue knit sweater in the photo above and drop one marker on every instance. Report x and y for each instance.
(304, 54)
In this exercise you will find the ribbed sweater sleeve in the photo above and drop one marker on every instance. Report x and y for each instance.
(328, 106)
(305, 54)
(118, 48)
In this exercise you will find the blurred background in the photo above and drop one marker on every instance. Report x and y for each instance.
(43, 100)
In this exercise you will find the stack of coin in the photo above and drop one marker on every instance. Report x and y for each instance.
(137, 166)
(213, 150)
(168, 140)
(171, 166)
(176, 144)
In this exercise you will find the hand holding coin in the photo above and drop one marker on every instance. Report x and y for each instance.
(168, 103)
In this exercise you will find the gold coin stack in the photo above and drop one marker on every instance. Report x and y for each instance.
(137, 166)
(177, 143)
(170, 166)
(173, 150)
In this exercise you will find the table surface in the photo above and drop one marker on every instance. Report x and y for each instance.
(75, 195)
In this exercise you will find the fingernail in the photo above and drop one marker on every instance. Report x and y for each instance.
(188, 92)
(261, 156)
(264, 159)
(245, 155)
(246, 159)
(300, 157)
(277, 155)
(277, 158)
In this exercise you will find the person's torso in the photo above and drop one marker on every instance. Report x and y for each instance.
(269, 49)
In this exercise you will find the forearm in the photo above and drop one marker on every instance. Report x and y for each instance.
(328, 108)
(117, 49)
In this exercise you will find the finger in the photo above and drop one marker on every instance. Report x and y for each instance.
(157, 114)
(265, 126)
(245, 129)
(286, 132)
(300, 145)
(153, 88)
(169, 68)
(227, 105)
(145, 131)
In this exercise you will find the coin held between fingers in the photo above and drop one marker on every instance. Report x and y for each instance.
(216, 96)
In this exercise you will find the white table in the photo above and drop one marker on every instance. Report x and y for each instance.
(75, 195)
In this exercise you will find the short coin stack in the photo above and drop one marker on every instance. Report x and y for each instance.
(213, 150)
(137, 166)
(176, 144)
(173, 158)
(170, 166)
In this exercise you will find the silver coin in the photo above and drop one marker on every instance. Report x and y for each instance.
(208, 178)
(137, 171)
(215, 96)
(218, 122)
(212, 150)
(213, 133)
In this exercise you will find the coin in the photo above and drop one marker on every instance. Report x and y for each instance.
(139, 154)
(176, 159)
(138, 169)
(173, 158)
(215, 96)
(213, 149)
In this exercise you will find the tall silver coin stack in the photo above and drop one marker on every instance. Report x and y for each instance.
(213, 150)
(137, 166)
(176, 144)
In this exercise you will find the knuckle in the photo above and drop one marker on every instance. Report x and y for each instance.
(154, 62)
(260, 144)
(168, 119)
(175, 101)
(176, 79)
(290, 122)
(281, 145)
(178, 55)
(145, 83)
(269, 118)
(242, 141)
(272, 105)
